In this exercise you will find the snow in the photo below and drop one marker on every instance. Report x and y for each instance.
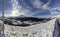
(48, 29)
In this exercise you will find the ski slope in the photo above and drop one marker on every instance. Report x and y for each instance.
(48, 29)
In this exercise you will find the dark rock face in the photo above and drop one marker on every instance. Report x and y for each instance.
(30, 21)
(27, 18)
(58, 20)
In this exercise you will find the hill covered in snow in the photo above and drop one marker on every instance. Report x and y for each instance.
(49, 28)
(39, 30)
(24, 21)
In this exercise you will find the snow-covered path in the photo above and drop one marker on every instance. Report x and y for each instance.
(56, 30)
(48, 29)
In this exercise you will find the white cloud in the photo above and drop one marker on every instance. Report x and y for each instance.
(55, 11)
(39, 5)
(45, 6)
(18, 10)
(15, 8)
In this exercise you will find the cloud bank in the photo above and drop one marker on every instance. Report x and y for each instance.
(33, 7)
(17, 9)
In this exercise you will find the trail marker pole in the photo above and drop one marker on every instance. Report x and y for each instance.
(3, 17)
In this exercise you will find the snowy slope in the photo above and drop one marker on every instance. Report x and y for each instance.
(39, 30)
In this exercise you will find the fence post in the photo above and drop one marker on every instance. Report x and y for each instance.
(3, 17)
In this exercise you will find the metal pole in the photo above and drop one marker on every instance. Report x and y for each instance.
(3, 17)
(34, 33)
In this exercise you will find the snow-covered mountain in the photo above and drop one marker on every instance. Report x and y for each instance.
(24, 20)
(41, 29)
(38, 30)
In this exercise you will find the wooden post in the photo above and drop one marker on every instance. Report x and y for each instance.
(3, 17)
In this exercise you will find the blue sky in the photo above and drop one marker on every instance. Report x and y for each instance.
(0, 6)
(32, 7)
